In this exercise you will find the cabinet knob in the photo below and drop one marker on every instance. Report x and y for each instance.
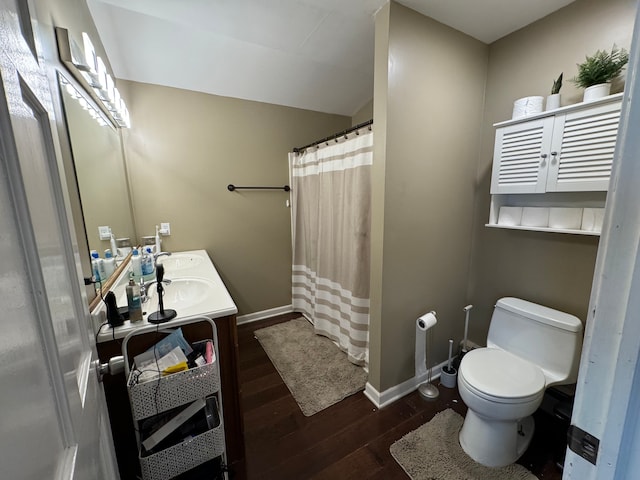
(543, 155)
(554, 153)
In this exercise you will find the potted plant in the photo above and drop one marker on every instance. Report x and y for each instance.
(597, 71)
(553, 100)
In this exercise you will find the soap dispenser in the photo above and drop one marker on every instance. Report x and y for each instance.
(147, 261)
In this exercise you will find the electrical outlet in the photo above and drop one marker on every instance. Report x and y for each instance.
(165, 229)
(104, 232)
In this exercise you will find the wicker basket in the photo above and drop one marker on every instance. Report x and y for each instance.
(184, 456)
(164, 393)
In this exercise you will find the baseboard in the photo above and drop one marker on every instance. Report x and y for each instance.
(381, 400)
(272, 312)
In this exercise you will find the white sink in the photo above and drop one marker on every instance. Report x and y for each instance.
(179, 261)
(182, 292)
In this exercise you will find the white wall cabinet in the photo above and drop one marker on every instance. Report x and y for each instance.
(550, 159)
(570, 149)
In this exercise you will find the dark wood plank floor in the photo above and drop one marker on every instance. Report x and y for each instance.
(349, 440)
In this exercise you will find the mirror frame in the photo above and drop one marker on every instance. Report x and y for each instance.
(110, 282)
(65, 56)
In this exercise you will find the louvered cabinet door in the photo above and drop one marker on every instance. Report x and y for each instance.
(521, 157)
(583, 148)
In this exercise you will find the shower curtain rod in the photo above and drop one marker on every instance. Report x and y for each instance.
(335, 136)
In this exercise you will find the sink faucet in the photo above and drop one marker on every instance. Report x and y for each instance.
(157, 255)
(145, 286)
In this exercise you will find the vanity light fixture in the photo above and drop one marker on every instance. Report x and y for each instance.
(91, 72)
(95, 113)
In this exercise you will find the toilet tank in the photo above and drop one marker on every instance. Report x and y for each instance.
(541, 335)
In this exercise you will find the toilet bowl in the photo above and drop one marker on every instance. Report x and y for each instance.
(500, 390)
(529, 348)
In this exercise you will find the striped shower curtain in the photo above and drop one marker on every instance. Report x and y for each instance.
(331, 221)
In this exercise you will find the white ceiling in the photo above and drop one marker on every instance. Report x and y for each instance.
(311, 54)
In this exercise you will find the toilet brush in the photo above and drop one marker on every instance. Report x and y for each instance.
(449, 373)
(463, 349)
(466, 328)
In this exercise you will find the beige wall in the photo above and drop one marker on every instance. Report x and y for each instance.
(432, 88)
(184, 148)
(364, 114)
(552, 269)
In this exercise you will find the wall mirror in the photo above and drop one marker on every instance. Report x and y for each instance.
(99, 165)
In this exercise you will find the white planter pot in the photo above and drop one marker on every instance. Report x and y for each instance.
(553, 102)
(596, 91)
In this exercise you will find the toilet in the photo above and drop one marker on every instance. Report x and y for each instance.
(529, 348)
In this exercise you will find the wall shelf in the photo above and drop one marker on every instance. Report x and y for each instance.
(559, 160)
(545, 229)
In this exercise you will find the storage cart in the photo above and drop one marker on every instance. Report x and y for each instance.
(170, 404)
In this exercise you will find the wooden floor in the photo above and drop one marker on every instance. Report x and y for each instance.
(349, 440)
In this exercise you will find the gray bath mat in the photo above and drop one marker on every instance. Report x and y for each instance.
(316, 372)
(432, 452)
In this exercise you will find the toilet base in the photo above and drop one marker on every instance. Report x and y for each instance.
(495, 443)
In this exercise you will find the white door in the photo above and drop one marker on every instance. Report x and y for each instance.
(53, 421)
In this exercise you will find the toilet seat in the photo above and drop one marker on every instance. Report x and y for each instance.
(501, 377)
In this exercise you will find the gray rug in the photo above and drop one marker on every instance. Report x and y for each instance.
(314, 369)
(432, 452)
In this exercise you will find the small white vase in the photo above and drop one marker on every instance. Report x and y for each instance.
(553, 102)
(595, 92)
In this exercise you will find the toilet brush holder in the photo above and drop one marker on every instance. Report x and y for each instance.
(448, 377)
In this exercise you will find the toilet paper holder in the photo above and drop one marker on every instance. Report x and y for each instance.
(423, 337)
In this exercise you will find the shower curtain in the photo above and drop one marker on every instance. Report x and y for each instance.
(331, 222)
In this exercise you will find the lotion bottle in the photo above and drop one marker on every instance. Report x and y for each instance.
(136, 264)
(108, 264)
(133, 301)
(97, 267)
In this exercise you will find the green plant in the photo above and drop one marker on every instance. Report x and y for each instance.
(557, 85)
(601, 67)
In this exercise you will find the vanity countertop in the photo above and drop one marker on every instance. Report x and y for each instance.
(192, 266)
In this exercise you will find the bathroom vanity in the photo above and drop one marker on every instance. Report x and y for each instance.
(195, 289)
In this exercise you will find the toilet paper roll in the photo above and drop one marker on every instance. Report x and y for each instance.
(527, 106)
(424, 323)
(592, 219)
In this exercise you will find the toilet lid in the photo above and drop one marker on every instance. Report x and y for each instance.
(501, 374)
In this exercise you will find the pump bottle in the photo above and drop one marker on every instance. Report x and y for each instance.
(133, 301)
